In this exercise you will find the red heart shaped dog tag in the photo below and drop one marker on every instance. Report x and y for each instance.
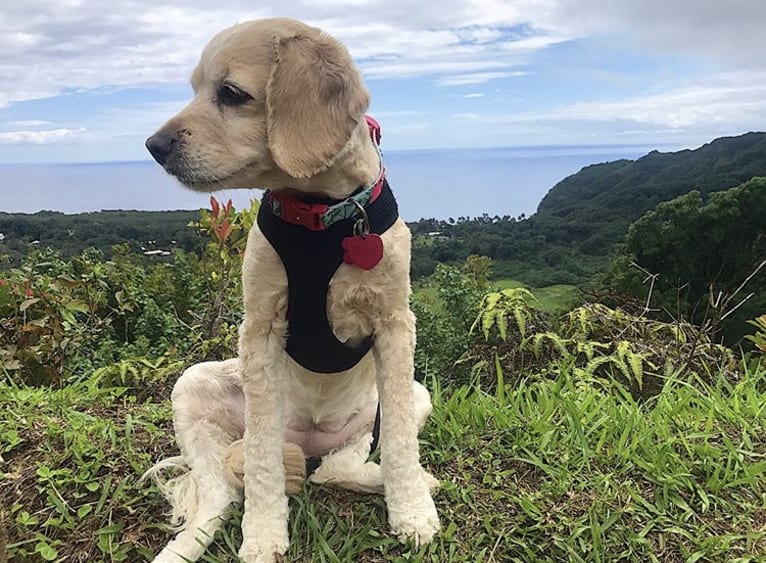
(363, 252)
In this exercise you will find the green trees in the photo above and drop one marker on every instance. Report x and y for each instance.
(596, 205)
(71, 234)
(570, 238)
(700, 252)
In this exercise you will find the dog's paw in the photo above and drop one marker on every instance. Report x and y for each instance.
(252, 553)
(264, 531)
(418, 522)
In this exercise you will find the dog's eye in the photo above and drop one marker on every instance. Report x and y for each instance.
(230, 95)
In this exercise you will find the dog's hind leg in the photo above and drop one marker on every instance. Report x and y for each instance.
(348, 467)
(208, 414)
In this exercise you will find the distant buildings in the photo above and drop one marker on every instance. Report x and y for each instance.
(438, 235)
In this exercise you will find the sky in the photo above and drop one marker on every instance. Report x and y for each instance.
(89, 80)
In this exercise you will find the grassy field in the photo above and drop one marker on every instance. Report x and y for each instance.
(560, 469)
(552, 299)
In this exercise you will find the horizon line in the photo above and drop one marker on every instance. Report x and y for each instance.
(409, 150)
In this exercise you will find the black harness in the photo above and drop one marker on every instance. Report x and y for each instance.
(311, 259)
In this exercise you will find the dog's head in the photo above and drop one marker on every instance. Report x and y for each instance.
(274, 99)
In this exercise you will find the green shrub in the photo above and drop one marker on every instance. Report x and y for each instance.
(593, 343)
(60, 319)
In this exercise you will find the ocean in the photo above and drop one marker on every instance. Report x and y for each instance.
(439, 183)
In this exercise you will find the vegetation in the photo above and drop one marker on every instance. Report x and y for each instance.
(592, 435)
(607, 422)
(581, 219)
(593, 208)
(695, 255)
(70, 234)
(60, 318)
(557, 469)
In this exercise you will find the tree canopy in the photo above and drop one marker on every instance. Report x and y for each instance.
(701, 250)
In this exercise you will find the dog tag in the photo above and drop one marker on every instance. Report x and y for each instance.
(363, 251)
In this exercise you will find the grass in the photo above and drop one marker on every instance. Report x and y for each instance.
(561, 470)
(551, 299)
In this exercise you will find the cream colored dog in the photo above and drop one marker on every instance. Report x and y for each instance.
(280, 105)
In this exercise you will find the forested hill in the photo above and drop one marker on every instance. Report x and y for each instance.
(70, 234)
(593, 208)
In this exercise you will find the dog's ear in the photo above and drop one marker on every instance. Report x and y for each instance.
(315, 98)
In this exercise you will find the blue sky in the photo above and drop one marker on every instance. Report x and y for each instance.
(89, 80)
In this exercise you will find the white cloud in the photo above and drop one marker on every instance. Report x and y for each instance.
(56, 46)
(90, 44)
(726, 103)
(420, 68)
(29, 123)
(475, 78)
(40, 137)
(480, 34)
(50, 48)
(475, 95)
(730, 31)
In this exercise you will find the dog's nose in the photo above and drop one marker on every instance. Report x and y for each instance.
(160, 146)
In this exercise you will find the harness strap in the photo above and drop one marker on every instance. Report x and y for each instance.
(307, 234)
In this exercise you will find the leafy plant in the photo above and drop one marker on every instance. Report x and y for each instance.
(226, 230)
(592, 343)
(45, 320)
(496, 307)
(759, 338)
(444, 315)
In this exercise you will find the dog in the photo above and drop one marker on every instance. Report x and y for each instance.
(326, 348)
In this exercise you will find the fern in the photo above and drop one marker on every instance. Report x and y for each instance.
(521, 321)
(497, 306)
(502, 327)
(759, 338)
(539, 339)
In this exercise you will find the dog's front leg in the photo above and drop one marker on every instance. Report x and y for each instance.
(261, 361)
(264, 523)
(411, 511)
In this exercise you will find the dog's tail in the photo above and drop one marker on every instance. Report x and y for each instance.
(293, 460)
(180, 490)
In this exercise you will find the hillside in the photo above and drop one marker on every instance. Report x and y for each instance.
(578, 223)
(70, 234)
(593, 208)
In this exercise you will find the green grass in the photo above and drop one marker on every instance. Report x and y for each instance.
(563, 470)
(551, 299)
